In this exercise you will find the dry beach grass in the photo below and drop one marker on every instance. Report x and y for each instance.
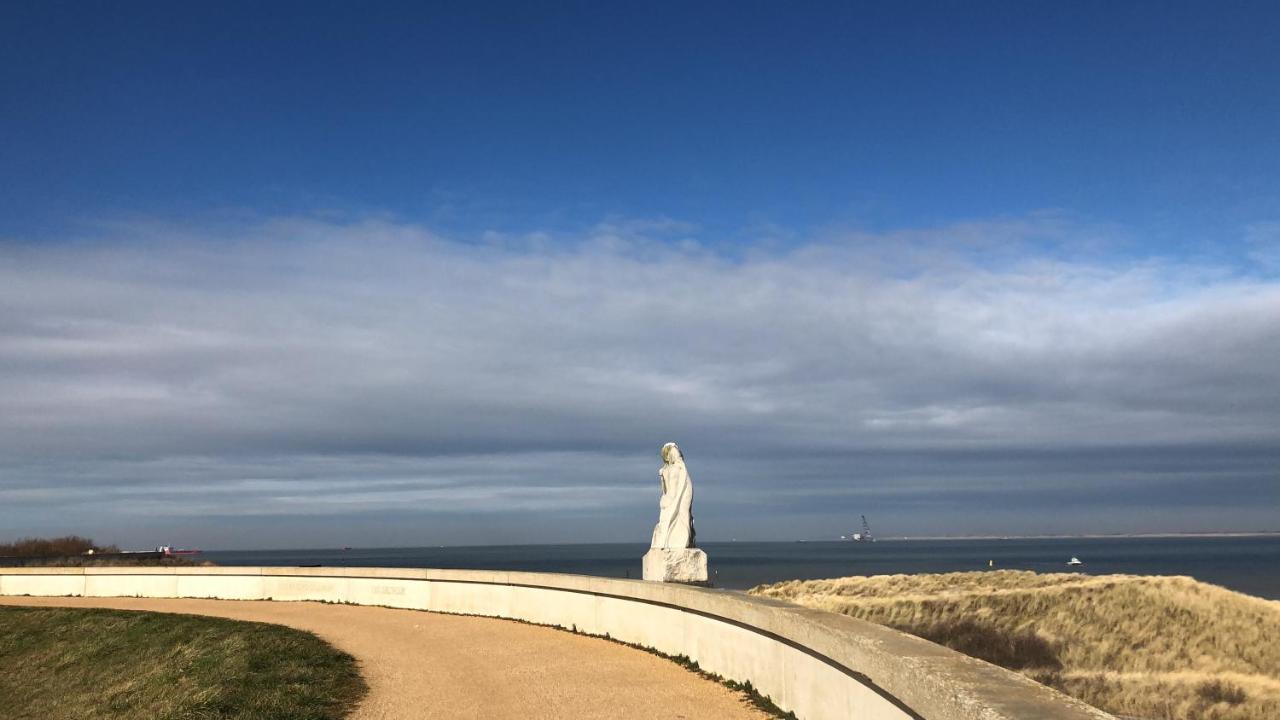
(1158, 648)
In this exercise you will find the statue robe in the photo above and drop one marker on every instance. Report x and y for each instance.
(675, 517)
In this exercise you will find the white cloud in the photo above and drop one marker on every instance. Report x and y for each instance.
(242, 354)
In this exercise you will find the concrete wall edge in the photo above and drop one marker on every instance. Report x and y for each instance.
(921, 679)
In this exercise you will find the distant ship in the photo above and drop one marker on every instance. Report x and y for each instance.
(1074, 561)
(170, 551)
(864, 536)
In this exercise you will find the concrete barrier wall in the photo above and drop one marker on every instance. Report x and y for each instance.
(821, 666)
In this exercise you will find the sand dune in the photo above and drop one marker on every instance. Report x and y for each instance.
(1163, 648)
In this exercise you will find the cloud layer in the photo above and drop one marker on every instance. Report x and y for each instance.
(962, 379)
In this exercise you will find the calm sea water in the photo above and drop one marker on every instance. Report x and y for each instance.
(1247, 564)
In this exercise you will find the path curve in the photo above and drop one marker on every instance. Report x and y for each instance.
(429, 665)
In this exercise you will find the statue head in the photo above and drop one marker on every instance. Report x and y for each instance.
(671, 454)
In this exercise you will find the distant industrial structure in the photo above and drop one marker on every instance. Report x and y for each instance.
(864, 536)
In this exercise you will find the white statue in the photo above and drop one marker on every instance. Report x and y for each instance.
(675, 510)
(672, 555)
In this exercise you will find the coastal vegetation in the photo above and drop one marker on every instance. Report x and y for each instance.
(1156, 648)
(88, 664)
(77, 551)
(53, 547)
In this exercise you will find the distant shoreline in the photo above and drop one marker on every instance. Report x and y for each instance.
(1091, 536)
(885, 538)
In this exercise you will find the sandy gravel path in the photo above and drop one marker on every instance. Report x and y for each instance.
(426, 665)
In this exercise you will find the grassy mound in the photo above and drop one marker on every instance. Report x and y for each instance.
(62, 663)
(1158, 648)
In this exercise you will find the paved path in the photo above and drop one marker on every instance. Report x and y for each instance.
(427, 665)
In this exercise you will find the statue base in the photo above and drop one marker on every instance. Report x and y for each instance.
(686, 565)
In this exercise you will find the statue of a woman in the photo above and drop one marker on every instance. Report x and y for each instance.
(675, 517)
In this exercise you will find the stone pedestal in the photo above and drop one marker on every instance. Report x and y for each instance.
(687, 565)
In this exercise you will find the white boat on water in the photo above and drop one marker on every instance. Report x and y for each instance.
(1074, 561)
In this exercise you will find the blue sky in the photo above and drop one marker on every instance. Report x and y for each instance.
(434, 273)
(735, 116)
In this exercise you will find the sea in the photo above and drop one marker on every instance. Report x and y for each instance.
(1248, 564)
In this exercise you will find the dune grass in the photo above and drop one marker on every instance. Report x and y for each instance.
(1158, 648)
(88, 664)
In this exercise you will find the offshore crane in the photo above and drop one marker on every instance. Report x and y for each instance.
(864, 536)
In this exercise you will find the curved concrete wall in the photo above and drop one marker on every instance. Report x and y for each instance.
(822, 666)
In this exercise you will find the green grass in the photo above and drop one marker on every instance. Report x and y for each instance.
(64, 663)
